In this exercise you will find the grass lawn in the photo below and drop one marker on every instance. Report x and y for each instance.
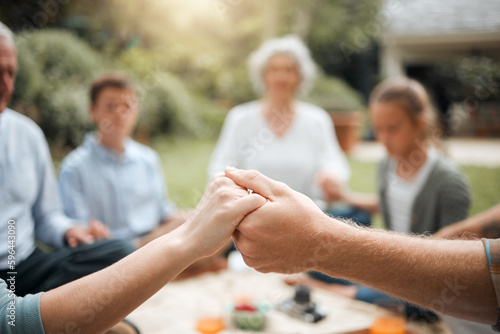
(185, 162)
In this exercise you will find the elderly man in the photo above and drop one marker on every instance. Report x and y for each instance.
(30, 205)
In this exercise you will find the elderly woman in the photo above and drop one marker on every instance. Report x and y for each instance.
(288, 140)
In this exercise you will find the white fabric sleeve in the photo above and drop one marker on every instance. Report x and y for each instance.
(332, 156)
(225, 152)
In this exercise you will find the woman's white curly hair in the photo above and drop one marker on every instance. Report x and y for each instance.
(291, 45)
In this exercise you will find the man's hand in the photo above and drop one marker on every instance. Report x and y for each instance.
(219, 212)
(282, 235)
(80, 235)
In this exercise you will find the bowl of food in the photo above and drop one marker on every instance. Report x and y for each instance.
(249, 316)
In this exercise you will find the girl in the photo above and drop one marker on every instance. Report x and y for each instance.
(419, 190)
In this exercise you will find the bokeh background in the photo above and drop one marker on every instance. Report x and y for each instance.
(189, 61)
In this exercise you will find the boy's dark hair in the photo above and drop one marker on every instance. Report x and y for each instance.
(111, 79)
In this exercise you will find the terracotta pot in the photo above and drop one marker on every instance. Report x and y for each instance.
(347, 127)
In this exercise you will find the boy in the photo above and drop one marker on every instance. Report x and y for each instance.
(112, 178)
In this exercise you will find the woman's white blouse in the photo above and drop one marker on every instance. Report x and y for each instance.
(308, 146)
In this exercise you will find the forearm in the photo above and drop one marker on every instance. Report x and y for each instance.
(368, 202)
(98, 301)
(290, 234)
(451, 277)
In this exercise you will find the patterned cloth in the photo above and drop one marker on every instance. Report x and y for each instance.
(493, 253)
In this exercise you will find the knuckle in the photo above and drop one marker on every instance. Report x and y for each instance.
(253, 174)
(223, 193)
(225, 208)
(280, 188)
(217, 176)
(218, 179)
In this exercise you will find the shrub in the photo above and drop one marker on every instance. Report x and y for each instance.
(333, 94)
(169, 108)
(234, 85)
(168, 105)
(470, 76)
(55, 68)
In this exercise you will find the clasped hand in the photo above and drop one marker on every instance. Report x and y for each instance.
(282, 234)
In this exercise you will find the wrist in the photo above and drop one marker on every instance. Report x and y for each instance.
(332, 249)
(190, 248)
(179, 244)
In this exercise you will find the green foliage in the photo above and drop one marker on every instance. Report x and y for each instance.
(471, 76)
(234, 84)
(168, 106)
(29, 76)
(342, 29)
(55, 68)
(164, 104)
(61, 54)
(64, 114)
(206, 73)
(184, 54)
(333, 94)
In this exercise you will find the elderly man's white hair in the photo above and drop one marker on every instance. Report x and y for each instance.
(290, 45)
(5, 32)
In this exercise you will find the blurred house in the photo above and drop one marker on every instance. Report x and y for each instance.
(422, 33)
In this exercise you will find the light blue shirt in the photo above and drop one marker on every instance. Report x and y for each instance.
(125, 191)
(28, 190)
(19, 315)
